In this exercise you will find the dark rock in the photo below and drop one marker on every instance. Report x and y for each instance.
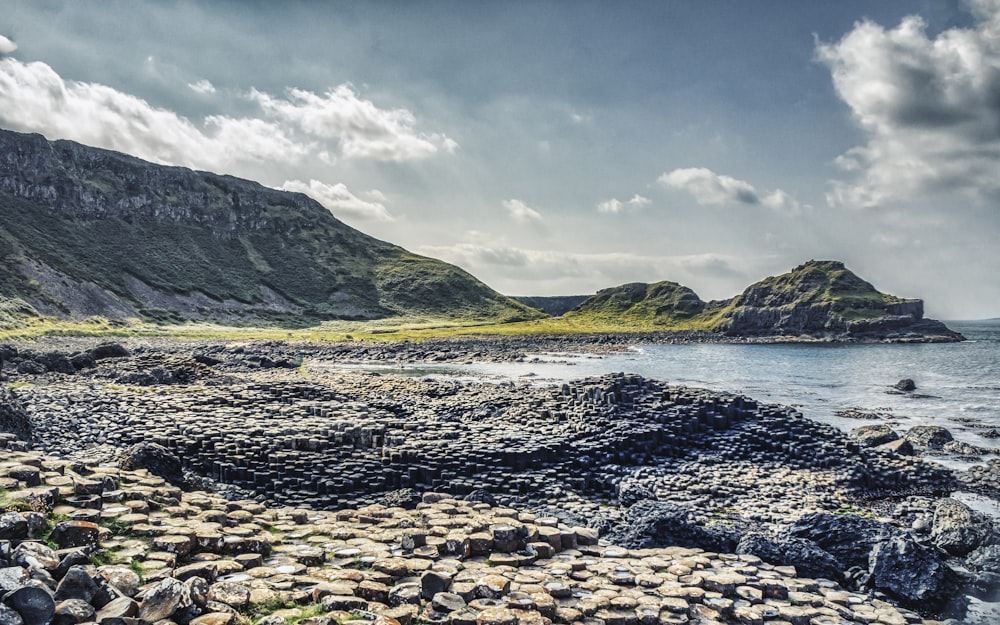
(631, 491)
(653, 524)
(933, 436)
(13, 526)
(13, 417)
(31, 367)
(905, 384)
(108, 350)
(73, 611)
(914, 575)
(958, 529)
(206, 360)
(157, 459)
(986, 558)
(847, 537)
(481, 495)
(873, 435)
(76, 584)
(82, 361)
(55, 362)
(75, 534)
(33, 602)
(405, 498)
(806, 556)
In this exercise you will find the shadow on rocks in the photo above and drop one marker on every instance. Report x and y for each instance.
(156, 459)
(651, 524)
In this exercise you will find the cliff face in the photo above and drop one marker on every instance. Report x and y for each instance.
(824, 299)
(819, 299)
(85, 231)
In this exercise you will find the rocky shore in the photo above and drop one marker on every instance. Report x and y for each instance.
(628, 461)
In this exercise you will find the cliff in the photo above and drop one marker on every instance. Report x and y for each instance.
(85, 231)
(816, 300)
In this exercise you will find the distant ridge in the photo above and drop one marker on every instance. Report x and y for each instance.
(91, 232)
(819, 299)
(555, 305)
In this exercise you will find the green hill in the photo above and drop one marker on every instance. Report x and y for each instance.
(85, 232)
(818, 299)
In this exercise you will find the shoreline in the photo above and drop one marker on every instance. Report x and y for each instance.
(248, 421)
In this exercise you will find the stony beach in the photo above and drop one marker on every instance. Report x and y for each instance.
(615, 499)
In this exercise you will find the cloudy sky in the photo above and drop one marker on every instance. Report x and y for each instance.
(561, 147)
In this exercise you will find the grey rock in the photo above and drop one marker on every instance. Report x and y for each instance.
(806, 556)
(933, 436)
(914, 575)
(161, 601)
(33, 602)
(906, 384)
(661, 524)
(873, 435)
(958, 529)
(76, 584)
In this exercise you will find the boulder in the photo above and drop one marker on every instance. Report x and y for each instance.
(958, 529)
(933, 436)
(75, 534)
(651, 524)
(108, 350)
(912, 574)
(13, 417)
(56, 362)
(156, 459)
(806, 556)
(906, 384)
(76, 584)
(873, 435)
(405, 498)
(13, 526)
(986, 559)
(849, 538)
(33, 602)
(162, 600)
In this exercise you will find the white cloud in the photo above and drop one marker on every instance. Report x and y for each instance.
(521, 212)
(639, 201)
(34, 98)
(708, 187)
(202, 86)
(361, 128)
(781, 202)
(340, 201)
(610, 207)
(928, 106)
(6, 45)
(615, 206)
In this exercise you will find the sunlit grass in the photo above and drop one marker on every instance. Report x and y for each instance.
(387, 330)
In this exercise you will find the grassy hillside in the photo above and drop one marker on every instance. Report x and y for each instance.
(82, 229)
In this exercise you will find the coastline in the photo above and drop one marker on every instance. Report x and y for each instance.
(249, 421)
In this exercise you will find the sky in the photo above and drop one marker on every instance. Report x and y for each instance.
(561, 147)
